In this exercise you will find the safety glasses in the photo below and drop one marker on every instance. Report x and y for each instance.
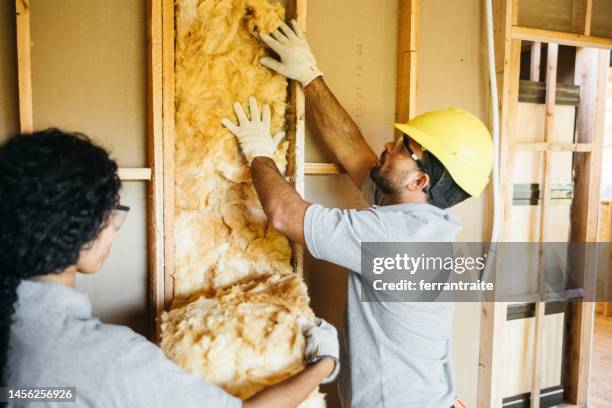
(419, 162)
(119, 215)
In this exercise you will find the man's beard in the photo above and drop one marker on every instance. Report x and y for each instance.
(385, 183)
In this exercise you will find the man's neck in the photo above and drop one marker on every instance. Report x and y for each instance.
(66, 277)
(391, 199)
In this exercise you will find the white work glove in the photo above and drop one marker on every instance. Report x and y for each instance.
(297, 61)
(321, 342)
(254, 134)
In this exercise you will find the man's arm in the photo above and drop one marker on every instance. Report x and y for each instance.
(338, 130)
(294, 390)
(282, 204)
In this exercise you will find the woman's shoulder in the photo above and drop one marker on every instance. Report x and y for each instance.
(64, 344)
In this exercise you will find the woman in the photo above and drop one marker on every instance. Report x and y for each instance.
(59, 209)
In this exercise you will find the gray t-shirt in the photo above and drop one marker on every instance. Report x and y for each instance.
(56, 342)
(393, 354)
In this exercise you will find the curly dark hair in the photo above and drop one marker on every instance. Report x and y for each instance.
(57, 191)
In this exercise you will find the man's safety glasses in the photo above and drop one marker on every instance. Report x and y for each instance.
(419, 162)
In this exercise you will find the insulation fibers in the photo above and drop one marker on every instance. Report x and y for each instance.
(236, 295)
(245, 338)
(222, 235)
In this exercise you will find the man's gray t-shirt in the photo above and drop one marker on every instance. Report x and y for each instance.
(56, 342)
(393, 354)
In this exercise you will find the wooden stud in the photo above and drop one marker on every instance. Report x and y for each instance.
(407, 61)
(168, 110)
(493, 314)
(135, 174)
(155, 190)
(534, 69)
(581, 16)
(323, 168)
(571, 39)
(591, 74)
(551, 86)
(24, 66)
(553, 147)
(296, 129)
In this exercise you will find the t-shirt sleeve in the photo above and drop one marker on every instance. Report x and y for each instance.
(336, 235)
(144, 377)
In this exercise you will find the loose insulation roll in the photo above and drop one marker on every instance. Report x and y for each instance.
(237, 297)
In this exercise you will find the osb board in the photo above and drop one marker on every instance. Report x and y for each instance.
(601, 20)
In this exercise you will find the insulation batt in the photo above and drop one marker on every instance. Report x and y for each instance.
(237, 297)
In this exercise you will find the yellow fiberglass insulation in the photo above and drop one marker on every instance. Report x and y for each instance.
(237, 297)
(221, 233)
(245, 338)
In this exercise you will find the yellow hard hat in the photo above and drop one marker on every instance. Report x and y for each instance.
(460, 141)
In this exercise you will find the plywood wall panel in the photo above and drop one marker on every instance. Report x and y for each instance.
(354, 42)
(553, 15)
(88, 71)
(119, 290)
(601, 21)
(519, 353)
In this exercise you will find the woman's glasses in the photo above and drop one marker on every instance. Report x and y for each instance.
(120, 213)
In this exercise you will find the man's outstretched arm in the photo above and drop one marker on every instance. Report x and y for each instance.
(283, 206)
(338, 130)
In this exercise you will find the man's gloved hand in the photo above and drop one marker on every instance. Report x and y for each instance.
(297, 61)
(321, 342)
(254, 134)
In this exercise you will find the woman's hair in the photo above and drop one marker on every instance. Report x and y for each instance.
(57, 191)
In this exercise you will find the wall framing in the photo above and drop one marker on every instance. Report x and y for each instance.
(590, 76)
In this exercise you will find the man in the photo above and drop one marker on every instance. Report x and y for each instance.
(394, 354)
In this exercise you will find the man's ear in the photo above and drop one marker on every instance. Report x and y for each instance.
(419, 182)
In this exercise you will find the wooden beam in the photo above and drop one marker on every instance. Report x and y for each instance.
(591, 73)
(553, 147)
(24, 66)
(155, 189)
(296, 129)
(534, 68)
(571, 39)
(168, 111)
(323, 168)
(551, 86)
(135, 174)
(491, 370)
(581, 16)
(407, 61)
